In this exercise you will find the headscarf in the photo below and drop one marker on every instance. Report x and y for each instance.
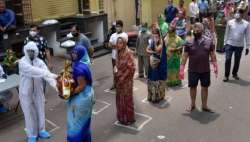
(162, 25)
(85, 57)
(125, 49)
(80, 68)
(80, 51)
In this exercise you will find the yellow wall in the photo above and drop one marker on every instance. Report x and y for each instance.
(152, 8)
(121, 9)
(48, 9)
(146, 12)
(94, 5)
(158, 7)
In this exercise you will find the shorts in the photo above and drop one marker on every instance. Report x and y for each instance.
(194, 78)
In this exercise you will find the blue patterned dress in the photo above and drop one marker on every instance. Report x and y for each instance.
(79, 106)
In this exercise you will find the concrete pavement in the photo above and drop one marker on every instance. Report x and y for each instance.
(168, 122)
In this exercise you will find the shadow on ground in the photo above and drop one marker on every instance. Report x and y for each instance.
(202, 117)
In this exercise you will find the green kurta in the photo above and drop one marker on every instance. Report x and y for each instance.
(173, 59)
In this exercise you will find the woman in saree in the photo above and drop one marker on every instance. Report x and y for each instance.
(79, 106)
(124, 74)
(174, 49)
(157, 68)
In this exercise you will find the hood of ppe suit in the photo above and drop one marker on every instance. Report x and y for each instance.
(30, 46)
(80, 51)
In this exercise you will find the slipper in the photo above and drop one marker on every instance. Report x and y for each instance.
(112, 88)
(207, 110)
(191, 109)
(44, 135)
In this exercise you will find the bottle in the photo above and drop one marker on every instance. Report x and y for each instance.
(67, 81)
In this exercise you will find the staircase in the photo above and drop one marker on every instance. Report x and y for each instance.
(98, 46)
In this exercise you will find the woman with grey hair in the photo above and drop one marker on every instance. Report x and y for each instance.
(209, 30)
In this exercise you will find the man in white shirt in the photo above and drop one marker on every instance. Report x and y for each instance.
(112, 43)
(194, 12)
(236, 36)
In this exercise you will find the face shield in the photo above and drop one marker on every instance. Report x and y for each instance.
(31, 54)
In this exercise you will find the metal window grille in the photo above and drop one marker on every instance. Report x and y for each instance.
(27, 11)
(101, 5)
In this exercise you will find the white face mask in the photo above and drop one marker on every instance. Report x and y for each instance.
(33, 33)
(70, 35)
(118, 29)
(237, 16)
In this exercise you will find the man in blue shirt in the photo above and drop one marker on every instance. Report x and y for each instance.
(83, 40)
(203, 8)
(7, 17)
(7, 22)
(170, 12)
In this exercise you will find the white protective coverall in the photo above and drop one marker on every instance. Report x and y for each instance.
(31, 94)
(1, 71)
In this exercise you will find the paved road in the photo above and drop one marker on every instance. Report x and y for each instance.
(168, 122)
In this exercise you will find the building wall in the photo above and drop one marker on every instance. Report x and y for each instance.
(152, 8)
(121, 9)
(94, 5)
(158, 7)
(146, 11)
(48, 9)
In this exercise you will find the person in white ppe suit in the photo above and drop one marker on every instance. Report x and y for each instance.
(33, 71)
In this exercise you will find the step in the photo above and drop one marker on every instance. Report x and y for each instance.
(64, 32)
(98, 46)
(67, 25)
(62, 39)
(88, 34)
(93, 40)
(101, 52)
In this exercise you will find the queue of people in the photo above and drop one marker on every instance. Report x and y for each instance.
(194, 39)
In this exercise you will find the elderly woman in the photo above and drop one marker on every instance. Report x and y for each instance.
(79, 106)
(209, 29)
(124, 74)
(174, 49)
(157, 68)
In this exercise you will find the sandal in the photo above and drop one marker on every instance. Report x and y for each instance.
(207, 110)
(191, 109)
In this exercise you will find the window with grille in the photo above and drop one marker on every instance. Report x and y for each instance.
(101, 5)
(83, 5)
(27, 11)
(49, 9)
